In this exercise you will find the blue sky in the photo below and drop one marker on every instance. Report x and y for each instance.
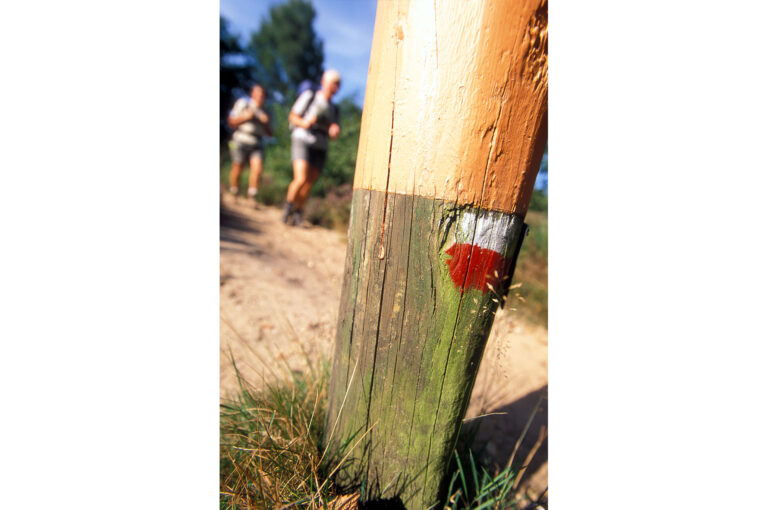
(345, 26)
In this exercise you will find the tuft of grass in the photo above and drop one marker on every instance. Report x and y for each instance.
(472, 486)
(270, 445)
(271, 454)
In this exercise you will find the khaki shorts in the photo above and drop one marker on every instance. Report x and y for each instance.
(301, 150)
(241, 152)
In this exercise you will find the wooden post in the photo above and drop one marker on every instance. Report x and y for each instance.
(453, 131)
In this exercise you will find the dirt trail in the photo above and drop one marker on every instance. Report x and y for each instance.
(279, 297)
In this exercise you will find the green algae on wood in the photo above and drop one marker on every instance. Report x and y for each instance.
(410, 338)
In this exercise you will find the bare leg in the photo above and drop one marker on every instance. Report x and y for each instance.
(300, 174)
(254, 176)
(234, 175)
(303, 192)
(300, 171)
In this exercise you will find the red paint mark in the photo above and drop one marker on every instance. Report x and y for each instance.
(475, 267)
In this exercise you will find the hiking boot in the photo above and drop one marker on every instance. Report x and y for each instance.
(298, 218)
(233, 190)
(252, 192)
(288, 213)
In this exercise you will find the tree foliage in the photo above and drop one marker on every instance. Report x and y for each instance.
(282, 53)
(234, 73)
(286, 48)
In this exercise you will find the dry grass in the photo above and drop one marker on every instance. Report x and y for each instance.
(271, 455)
(270, 441)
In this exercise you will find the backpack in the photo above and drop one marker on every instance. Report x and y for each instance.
(307, 85)
(314, 87)
(303, 87)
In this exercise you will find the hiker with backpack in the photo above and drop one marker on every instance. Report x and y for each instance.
(251, 124)
(313, 119)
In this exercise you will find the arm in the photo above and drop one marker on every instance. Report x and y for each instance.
(298, 121)
(335, 129)
(263, 117)
(302, 105)
(235, 120)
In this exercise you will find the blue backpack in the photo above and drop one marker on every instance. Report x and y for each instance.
(307, 85)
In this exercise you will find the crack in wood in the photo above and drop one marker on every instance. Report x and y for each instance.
(391, 142)
(376, 341)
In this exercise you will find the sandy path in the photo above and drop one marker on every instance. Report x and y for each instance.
(280, 290)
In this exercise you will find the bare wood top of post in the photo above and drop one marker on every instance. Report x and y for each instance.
(456, 101)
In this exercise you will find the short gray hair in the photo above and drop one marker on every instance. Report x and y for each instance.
(332, 75)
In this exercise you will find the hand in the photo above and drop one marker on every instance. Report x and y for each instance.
(333, 131)
(261, 115)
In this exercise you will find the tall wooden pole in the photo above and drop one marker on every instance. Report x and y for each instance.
(453, 131)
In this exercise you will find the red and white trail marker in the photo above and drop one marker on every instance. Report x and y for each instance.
(481, 255)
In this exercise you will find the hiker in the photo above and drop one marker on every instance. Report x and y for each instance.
(251, 123)
(314, 119)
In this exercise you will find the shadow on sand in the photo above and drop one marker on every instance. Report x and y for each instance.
(233, 224)
(498, 433)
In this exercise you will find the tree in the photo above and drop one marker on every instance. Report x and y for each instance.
(234, 74)
(286, 48)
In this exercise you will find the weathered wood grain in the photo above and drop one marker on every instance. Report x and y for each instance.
(410, 339)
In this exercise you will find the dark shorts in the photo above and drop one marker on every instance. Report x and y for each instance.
(302, 150)
(241, 152)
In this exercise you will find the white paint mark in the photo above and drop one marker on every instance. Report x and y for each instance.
(487, 229)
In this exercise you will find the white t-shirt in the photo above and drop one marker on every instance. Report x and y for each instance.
(251, 131)
(327, 114)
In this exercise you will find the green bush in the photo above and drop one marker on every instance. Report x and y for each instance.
(531, 274)
(539, 201)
